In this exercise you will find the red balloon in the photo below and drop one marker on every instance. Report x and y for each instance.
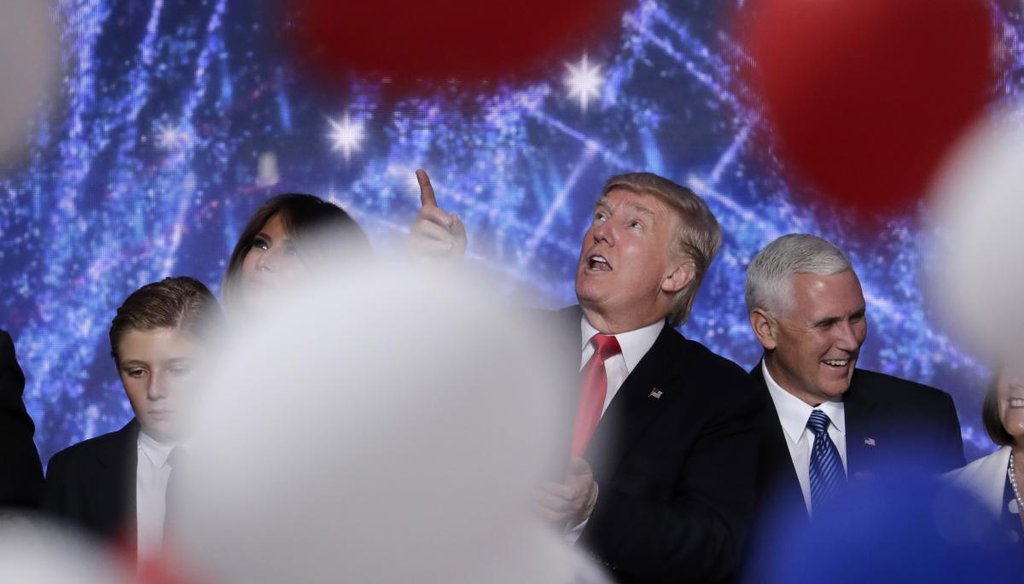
(409, 41)
(865, 97)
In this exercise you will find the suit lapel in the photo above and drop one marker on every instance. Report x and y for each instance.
(644, 395)
(116, 482)
(861, 436)
(777, 476)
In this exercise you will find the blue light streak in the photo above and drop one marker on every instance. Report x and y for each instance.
(102, 209)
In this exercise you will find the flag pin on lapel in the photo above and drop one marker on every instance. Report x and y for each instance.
(869, 441)
(655, 393)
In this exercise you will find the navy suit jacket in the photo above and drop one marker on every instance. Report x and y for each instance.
(893, 426)
(21, 474)
(895, 429)
(92, 484)
(675, 458)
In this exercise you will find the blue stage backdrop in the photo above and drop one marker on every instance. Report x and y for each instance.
(177, 118)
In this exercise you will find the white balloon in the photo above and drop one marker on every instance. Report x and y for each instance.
(28, 68)
(36, 551)
(380, 428)
(978, 280)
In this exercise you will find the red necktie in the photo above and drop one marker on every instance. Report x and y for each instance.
(593, 389)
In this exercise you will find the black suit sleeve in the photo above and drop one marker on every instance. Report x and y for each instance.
(950, 452)
(695, 533)
(21, 474)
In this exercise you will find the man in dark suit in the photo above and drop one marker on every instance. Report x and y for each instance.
(660, 485)
(93, 484)
(808, 311)
(115, 485)
(21, 474)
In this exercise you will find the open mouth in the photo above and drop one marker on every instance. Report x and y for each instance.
(1016, 402)
(598, 263)
(837, 363)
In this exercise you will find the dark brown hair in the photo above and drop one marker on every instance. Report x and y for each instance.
(990, 412)
(305, 217)
(180, 302)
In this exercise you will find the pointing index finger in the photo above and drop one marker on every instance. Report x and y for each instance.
(427, 198)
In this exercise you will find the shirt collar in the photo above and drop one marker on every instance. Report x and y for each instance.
(634, 343)
(156, 451)
(794, 412)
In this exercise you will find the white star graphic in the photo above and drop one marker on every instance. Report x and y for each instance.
(346, 135)
(171, 137)
(583, 81)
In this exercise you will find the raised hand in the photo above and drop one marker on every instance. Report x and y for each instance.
(435, 234)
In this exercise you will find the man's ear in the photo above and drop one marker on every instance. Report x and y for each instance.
(764, 327)
(679, 278)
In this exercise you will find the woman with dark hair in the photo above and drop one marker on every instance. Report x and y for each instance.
(288, 237)
(293, 236)
(997, 480)
(114, 485)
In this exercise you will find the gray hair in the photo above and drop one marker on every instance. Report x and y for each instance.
(770, 274)
(697, 240)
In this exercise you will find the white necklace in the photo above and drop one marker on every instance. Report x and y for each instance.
(1013, 485)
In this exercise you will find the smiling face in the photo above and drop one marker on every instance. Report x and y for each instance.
(155, 367)
(627, 273)
(271, 263)
(812, 344)
(1010, 393)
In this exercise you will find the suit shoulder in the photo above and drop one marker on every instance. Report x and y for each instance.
(87, 451)
(890, 388)
(706, 359)
(712, 370)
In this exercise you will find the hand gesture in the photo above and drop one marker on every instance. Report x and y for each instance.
(572, 501)
(435, 234)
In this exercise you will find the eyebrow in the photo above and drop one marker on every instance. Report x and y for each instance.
(826, 321)
(642, 210)
(284, 239)
(834, 319)
(635, 207)
(174, 360)
(132, 363)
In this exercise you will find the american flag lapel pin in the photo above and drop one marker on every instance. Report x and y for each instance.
(869, 441)
(655, 393)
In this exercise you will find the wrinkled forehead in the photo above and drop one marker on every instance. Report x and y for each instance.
(825, 295)
(648, 203)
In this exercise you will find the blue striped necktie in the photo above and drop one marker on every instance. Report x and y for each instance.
(826, 467)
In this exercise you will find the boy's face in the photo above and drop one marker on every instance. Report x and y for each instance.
(155, 366)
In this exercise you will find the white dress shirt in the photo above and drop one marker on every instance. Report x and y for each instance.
(793, 415)
(152, 472)
(634, 345)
